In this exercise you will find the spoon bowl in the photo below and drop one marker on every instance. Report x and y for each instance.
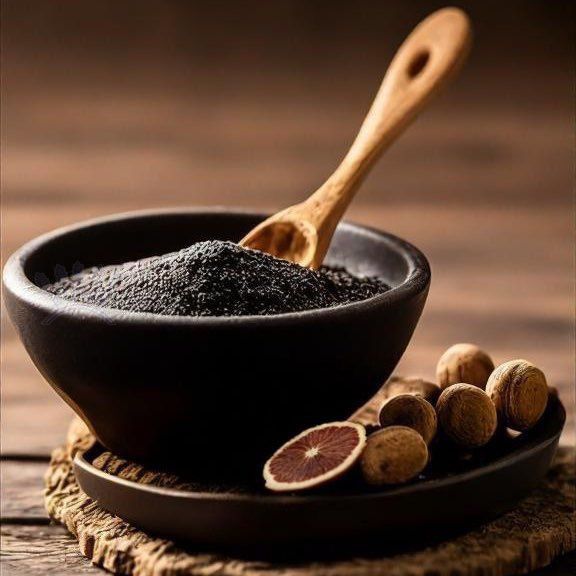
(281, 237)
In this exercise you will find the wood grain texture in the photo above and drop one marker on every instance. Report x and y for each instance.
(22, 491)
(41, 550)
(530, 537)
(34, 551)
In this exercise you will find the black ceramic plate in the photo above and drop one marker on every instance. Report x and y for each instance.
(457, 493)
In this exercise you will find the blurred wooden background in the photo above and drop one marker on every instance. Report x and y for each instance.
(111, 106)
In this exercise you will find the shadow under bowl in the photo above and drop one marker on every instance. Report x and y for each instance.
(216, 389)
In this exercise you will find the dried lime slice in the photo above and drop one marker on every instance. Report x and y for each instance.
(314, 457)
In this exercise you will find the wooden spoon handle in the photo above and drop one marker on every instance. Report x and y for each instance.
(426, 60)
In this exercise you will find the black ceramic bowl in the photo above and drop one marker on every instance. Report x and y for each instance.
(154, 388)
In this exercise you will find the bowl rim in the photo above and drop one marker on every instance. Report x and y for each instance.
(21, 287)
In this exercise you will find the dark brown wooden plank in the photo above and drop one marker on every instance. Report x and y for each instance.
(157, 121)
(172, 152)
(38, 550)
(22, 491)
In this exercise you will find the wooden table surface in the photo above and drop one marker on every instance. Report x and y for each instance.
(482, 184)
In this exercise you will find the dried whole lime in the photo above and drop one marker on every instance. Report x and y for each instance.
(466, 415)
(519, 392)
(411, 411)
(464, 363)
(393, 455)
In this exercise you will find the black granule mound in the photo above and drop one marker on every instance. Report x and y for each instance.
(215, 278)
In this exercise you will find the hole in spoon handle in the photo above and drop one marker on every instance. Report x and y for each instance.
(418, 63)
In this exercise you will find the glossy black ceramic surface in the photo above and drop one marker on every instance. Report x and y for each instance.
(184, 390)
(456, 494)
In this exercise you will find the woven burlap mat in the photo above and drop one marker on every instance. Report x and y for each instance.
(541, 528)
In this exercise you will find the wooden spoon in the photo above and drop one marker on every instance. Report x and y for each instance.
(428, 57)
